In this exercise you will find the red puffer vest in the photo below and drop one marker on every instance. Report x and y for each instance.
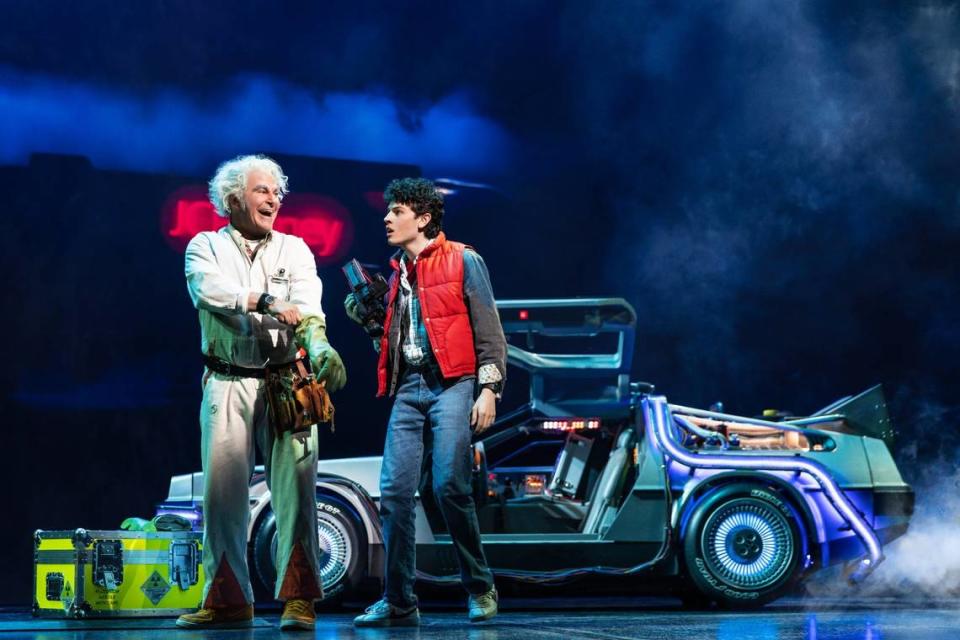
(440, 290)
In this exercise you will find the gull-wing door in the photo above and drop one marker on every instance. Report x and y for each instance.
(577, 351)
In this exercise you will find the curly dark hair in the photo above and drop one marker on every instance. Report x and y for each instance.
(422, 196)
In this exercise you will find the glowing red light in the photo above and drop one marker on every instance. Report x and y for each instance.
(375, 200)
(323, 223)
(186, 213)
(524, 314)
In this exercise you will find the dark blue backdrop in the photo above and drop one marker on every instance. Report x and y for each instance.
(774, 185)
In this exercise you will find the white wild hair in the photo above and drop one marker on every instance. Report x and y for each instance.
(231, 179)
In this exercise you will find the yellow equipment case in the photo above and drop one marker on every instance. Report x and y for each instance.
(80, 574)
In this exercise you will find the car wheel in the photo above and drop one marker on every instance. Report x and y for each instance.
(743, 545)
(343, 549)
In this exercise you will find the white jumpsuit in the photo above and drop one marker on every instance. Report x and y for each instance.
(233, 415)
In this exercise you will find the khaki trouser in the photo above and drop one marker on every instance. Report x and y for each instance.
(232, 416)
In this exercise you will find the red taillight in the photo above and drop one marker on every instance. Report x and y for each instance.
(524, 314)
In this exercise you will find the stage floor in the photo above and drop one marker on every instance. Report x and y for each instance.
(570, 619)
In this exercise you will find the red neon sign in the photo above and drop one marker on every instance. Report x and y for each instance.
(323, 223)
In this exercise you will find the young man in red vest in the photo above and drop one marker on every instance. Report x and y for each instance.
(443, 358)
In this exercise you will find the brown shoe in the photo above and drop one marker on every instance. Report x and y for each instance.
(298, 615)
(228, 618)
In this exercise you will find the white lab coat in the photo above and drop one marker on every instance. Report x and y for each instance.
(233, 414)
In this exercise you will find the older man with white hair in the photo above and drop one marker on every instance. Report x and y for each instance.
(258, 296)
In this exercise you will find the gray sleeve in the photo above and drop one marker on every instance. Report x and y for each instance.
(488, 339)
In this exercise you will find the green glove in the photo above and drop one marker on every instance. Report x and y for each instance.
(326, 362)
(138, 524)
(350, 306)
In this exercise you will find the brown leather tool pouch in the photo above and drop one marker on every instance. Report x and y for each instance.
(296, 400)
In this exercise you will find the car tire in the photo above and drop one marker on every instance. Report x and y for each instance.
(343, 549)
(743, 545)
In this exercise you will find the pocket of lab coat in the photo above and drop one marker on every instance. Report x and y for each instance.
(279, 288)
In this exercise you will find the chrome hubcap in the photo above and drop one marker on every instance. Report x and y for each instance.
(335, 551)
(748, 544)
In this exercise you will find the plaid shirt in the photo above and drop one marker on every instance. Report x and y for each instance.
(415, 344)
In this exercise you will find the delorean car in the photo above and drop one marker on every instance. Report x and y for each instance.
(598, 475)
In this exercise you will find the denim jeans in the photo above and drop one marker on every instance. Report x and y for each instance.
(421, 394)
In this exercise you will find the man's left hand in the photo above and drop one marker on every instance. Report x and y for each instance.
(484, 411)
(326, 362)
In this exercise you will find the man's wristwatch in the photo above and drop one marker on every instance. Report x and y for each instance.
(496, 387)
(264, 302)
(489, 377)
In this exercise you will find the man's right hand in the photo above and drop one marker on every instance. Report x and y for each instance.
(285, 312)
(350, 305)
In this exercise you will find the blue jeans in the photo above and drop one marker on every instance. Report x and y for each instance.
(421, 394)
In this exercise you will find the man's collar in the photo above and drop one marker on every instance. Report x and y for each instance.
(423, 251)
(430, 248)
(238, 237)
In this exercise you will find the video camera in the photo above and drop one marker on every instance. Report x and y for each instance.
(368, 293)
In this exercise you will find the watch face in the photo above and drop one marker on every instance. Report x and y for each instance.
(264, 303)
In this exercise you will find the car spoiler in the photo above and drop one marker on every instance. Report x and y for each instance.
(864, 414)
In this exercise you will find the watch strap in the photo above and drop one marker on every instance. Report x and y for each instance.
(496, 387)
(264, 302)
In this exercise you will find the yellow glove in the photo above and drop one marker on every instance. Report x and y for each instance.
(324, 359)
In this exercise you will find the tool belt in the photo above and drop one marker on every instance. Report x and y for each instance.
(295, 400)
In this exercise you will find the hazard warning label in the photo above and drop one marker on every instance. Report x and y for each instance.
(155, 588)
(66, 596)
